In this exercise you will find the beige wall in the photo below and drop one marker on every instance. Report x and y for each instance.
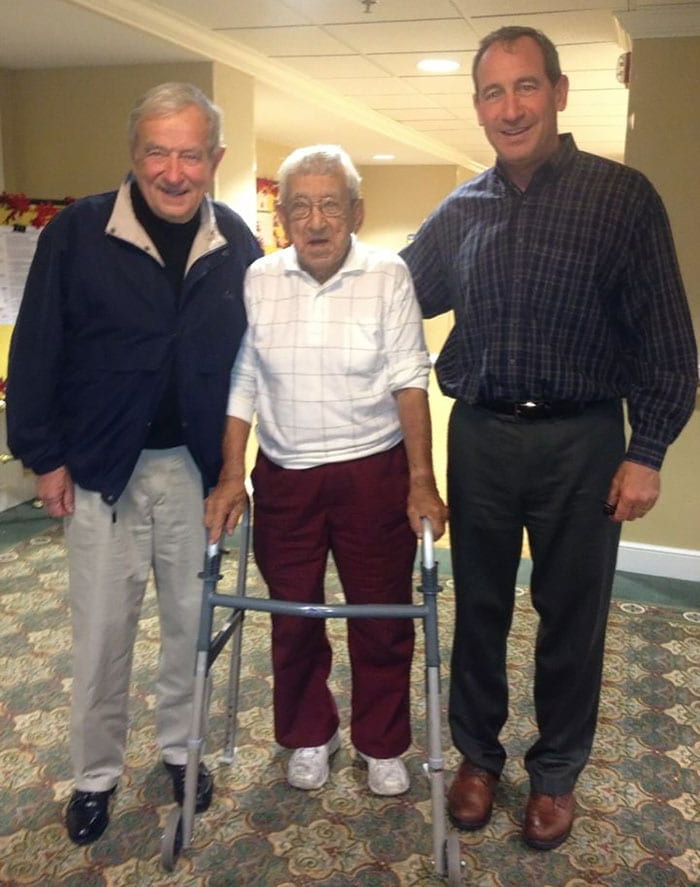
(398, 198)
(235, 181)
(663, 143)
(64, 130)
(269, 156)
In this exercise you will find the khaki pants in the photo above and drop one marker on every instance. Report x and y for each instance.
(157, 523)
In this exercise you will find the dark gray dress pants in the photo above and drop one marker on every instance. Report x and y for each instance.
(550, 476)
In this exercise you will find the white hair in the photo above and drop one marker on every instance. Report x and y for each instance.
(319, 160)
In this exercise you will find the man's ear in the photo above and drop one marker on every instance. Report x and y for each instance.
(561, 92)
(477, 108)
(216, 156)
(282, 216)
(358, 214)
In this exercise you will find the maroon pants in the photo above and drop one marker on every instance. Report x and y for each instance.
(357, 511)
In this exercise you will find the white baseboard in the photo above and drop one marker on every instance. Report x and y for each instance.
(656, 560)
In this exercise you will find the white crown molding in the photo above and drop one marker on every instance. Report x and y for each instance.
(656, 560)
(173, 28)
(664, 21)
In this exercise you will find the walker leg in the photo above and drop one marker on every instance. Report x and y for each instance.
(453, 863)
(171, 842)
(446, 851)
(229, 750)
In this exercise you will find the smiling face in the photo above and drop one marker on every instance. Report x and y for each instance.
(173, 164)
(322, 241)
(517, 105)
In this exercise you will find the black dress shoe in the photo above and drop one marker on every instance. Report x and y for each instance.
(87, 815)
(205, 785)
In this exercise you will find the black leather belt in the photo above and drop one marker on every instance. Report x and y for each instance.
(534, 409)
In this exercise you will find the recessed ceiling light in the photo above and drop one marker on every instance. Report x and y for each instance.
(384, 157)
(438, 66)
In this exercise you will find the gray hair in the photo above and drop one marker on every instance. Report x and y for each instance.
(511, 33)
(171, 98)
(319, 160)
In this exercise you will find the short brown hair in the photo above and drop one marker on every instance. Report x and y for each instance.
(511, 33)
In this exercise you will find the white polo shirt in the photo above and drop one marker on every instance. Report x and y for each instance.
(319, 362)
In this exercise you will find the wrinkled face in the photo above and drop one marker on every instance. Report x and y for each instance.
(517, 105)
(322, 238)
(172, 163)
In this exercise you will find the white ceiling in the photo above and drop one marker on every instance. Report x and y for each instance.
(327, 70)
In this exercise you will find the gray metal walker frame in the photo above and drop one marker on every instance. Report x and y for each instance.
(177, 835)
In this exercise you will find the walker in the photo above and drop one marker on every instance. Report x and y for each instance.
(179, 826)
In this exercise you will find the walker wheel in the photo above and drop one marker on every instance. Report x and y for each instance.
(453, 862)
(171, 842)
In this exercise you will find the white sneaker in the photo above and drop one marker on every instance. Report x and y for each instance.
(308, 767)
(386, 776)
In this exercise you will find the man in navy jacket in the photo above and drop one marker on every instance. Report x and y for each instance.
(119, 374)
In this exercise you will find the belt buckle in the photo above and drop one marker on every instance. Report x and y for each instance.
(529, 409)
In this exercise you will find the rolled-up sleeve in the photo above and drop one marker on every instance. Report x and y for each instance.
(407, 356)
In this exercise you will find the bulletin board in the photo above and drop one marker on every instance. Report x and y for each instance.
(21, 220)
(269, 231)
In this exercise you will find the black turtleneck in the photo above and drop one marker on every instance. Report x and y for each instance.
(173, 240)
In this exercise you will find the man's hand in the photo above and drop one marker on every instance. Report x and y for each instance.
(55, 489)
(423, 497)
(633, 491)
(424, 501)
(223, 508)
(227, 501)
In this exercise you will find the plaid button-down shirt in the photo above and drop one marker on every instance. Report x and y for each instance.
(567, 291)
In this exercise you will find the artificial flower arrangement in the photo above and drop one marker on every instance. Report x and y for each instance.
(18, 209)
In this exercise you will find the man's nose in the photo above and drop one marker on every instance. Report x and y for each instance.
(316, 217)
(512, 107)
(173, 167)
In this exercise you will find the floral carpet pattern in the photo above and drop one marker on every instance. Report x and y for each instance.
(638, 822)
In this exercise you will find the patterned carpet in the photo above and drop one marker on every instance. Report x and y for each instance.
(639, 813)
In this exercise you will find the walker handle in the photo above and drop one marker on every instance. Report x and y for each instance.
(428, 545)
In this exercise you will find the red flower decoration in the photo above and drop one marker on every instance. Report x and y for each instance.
(18, 204)
(44, 213)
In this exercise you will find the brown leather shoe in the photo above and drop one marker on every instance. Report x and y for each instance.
(548, 820)
(470, 798)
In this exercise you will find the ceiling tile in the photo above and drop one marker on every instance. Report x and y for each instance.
(582, 56)
(295, 40)
(597, 101)
(235, 13)
(403, 64)
(587, 26)
(431, 36)
(345, 11)
(595, 79)
(370, 86)
(516, 9)
(409, 114)
(451, 84)
(324, 67)
(451, 125)
(394, 102)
